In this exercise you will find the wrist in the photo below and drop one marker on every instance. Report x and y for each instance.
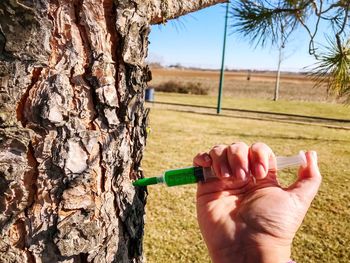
(256, 254)
(270, 254)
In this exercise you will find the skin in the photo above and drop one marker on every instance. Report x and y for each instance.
(246, 216)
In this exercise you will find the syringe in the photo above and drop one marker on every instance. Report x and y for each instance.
(191, 175)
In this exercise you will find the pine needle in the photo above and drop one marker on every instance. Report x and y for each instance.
(333, 69)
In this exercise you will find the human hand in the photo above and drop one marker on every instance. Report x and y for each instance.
(251, 220)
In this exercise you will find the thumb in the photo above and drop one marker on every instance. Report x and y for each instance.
(309, 179)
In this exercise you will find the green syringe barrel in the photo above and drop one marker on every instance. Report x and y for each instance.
(191, 175)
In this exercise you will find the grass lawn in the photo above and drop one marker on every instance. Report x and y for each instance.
(171, 232)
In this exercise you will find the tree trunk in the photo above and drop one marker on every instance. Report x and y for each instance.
(278, 75)
(73, 127)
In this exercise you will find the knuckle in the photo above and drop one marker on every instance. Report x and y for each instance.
(260, 149)
(258, 146)
(239, 149)
(217, 150)
(240, 144)
(239, 157)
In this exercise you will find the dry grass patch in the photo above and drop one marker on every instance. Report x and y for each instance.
(260, 85)
(183, 88)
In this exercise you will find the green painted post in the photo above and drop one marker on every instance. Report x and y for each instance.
(222, 63)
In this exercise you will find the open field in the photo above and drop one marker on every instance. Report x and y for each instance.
(260, 85)
(171, 233)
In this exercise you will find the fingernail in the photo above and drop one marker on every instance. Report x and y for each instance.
(243, 175)
(207, 158)
(259, 171)
(224, 171)
(314, 156)
(225, 174)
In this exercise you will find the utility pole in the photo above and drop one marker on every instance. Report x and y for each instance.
(222, 62)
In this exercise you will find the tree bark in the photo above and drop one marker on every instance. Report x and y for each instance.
(73, 127)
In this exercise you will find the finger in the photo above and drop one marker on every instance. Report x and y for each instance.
(309, 179)
(237, 156)
(202, 159)
(261, 157)
(218, 154)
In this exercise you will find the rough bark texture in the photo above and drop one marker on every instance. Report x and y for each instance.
(73, 127)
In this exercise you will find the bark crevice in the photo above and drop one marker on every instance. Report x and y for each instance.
(22, 102)
(78, 4)
(31, 176)
(2, 43)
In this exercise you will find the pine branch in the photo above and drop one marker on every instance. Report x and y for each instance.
(261, 21)
(333, 69)
(268, 20)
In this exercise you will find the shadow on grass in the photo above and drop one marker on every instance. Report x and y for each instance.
(268, 119)
(246, 135)
(266, 113)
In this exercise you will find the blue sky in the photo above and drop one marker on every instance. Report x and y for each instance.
(196, 40)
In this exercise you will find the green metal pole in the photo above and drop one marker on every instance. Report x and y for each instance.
(222, 63)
